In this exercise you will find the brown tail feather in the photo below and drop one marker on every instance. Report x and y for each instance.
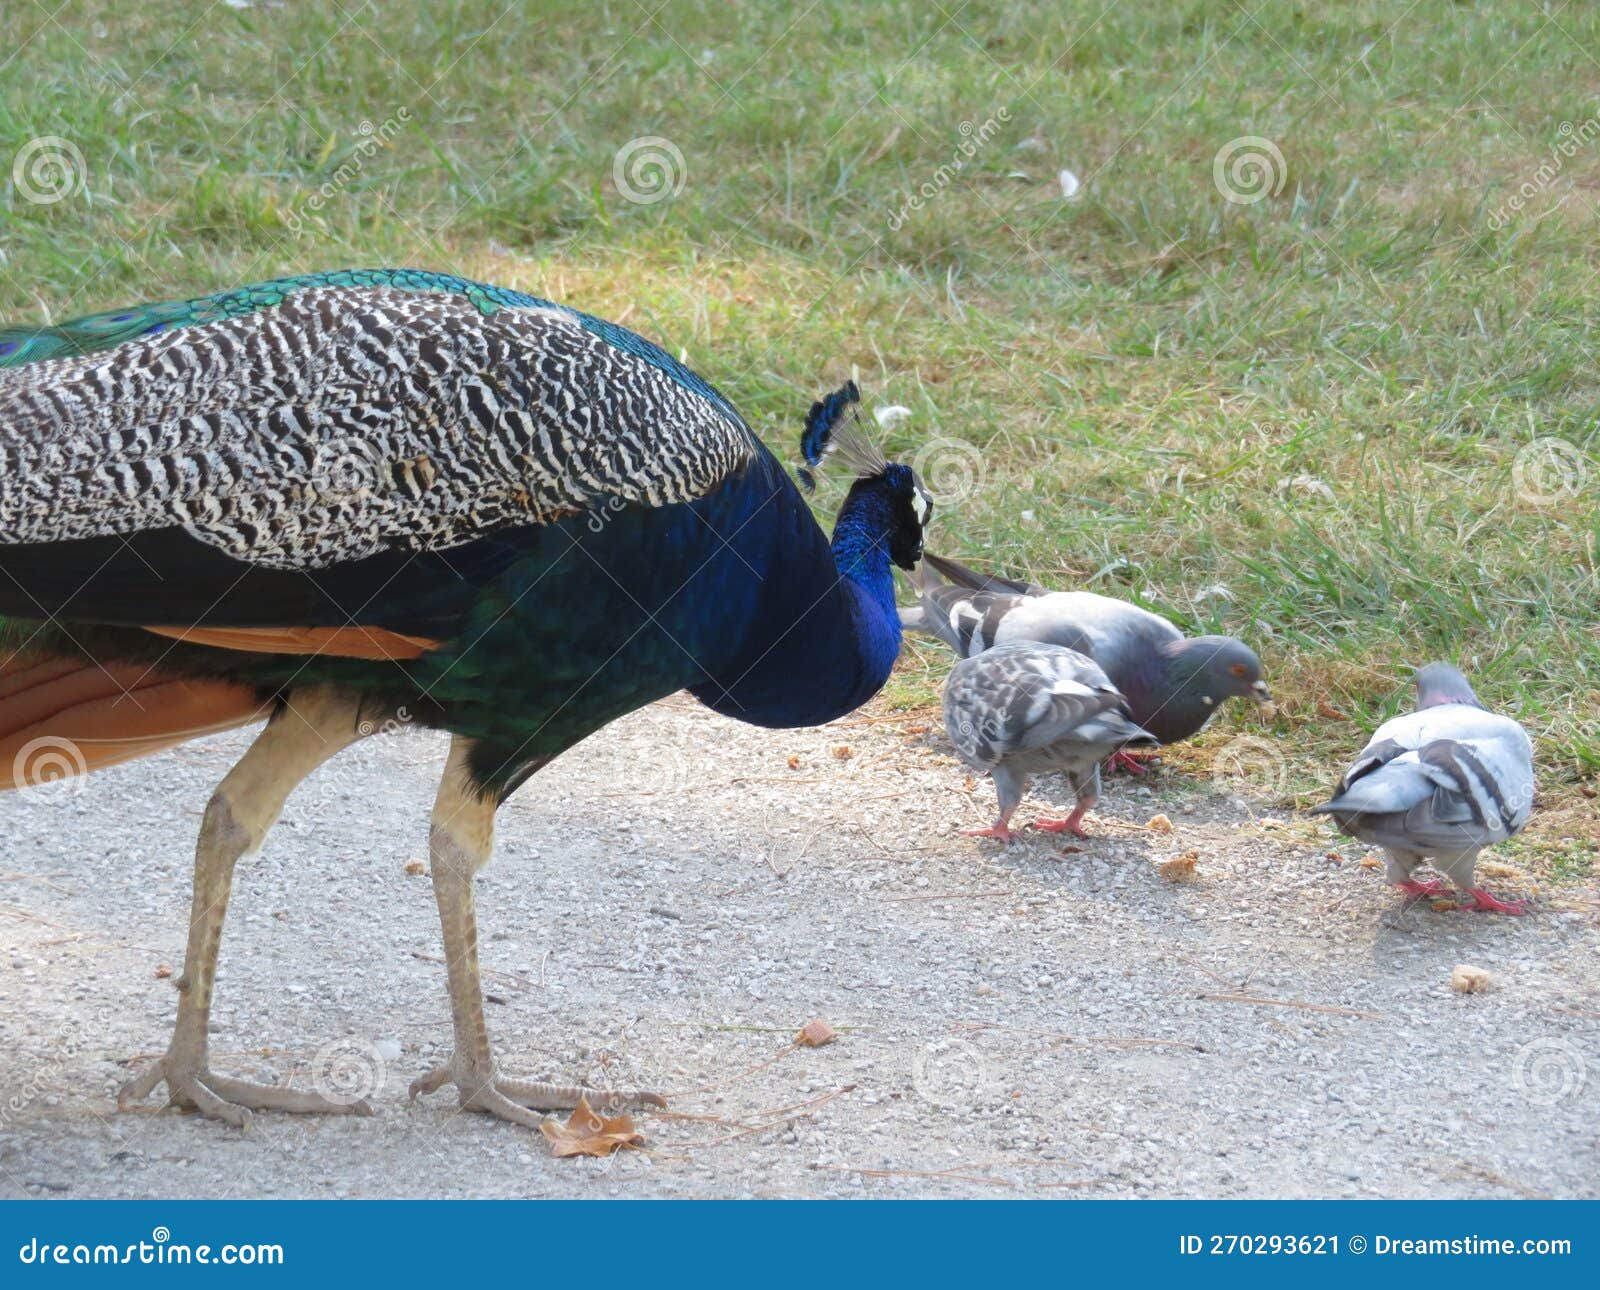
(61, 717)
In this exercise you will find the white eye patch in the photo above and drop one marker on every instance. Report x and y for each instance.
(920, 506)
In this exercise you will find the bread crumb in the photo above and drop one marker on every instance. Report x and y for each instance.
(1466, 979)
(1159, 824)
(1180, 868)
(415, 868)
(815, 1033)
(1494, 869)
(844, 752)
(1370, 861)
(162, 972)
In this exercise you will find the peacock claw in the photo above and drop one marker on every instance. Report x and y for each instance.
(518, 1100)
(194, 1087)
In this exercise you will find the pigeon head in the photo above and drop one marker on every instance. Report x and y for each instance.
(1439, 683)
(1216, 668)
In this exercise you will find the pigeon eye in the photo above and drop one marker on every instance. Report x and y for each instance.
(1238, 669)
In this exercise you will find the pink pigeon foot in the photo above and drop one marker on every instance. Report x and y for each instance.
(1418, 890)
(998, 831)
(1484, 903)
(1125, 761)
(1072, 824)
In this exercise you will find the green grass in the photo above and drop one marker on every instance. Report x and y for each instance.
(1296, 420)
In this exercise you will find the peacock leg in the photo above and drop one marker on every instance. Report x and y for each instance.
(311, 727)
(460, 840)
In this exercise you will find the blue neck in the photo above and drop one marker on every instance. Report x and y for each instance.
(861, 554)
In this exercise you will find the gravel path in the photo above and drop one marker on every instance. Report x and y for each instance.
(1013, 1021)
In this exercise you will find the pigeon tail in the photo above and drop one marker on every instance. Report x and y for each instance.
(972, 580)
(1387, 790)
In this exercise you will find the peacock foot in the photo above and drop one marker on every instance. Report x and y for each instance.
(193, 1086)
(518, 1100)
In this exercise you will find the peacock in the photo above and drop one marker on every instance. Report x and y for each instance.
(316, 501)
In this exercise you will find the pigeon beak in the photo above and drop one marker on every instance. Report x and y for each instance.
(1263, 699)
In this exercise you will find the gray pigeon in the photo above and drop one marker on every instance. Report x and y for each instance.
(1172, 683)
(1439, 784)
(1021, 709)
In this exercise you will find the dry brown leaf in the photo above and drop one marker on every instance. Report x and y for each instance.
(1326, 709)
(1267, 822)
(1159, 824)
(794, 761)
(1466, 979)
(815, 1033)
(918, 729)
(588, 1133)
(162, 972)
(1370, 861)
(416, 868)
(844, 752)
(1494, 869)
(1180, 868)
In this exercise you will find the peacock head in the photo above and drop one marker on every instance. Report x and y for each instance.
(887, 492)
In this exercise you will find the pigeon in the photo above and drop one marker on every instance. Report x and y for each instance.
(1439, 784)
(1172, 683)
(1020, 709)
